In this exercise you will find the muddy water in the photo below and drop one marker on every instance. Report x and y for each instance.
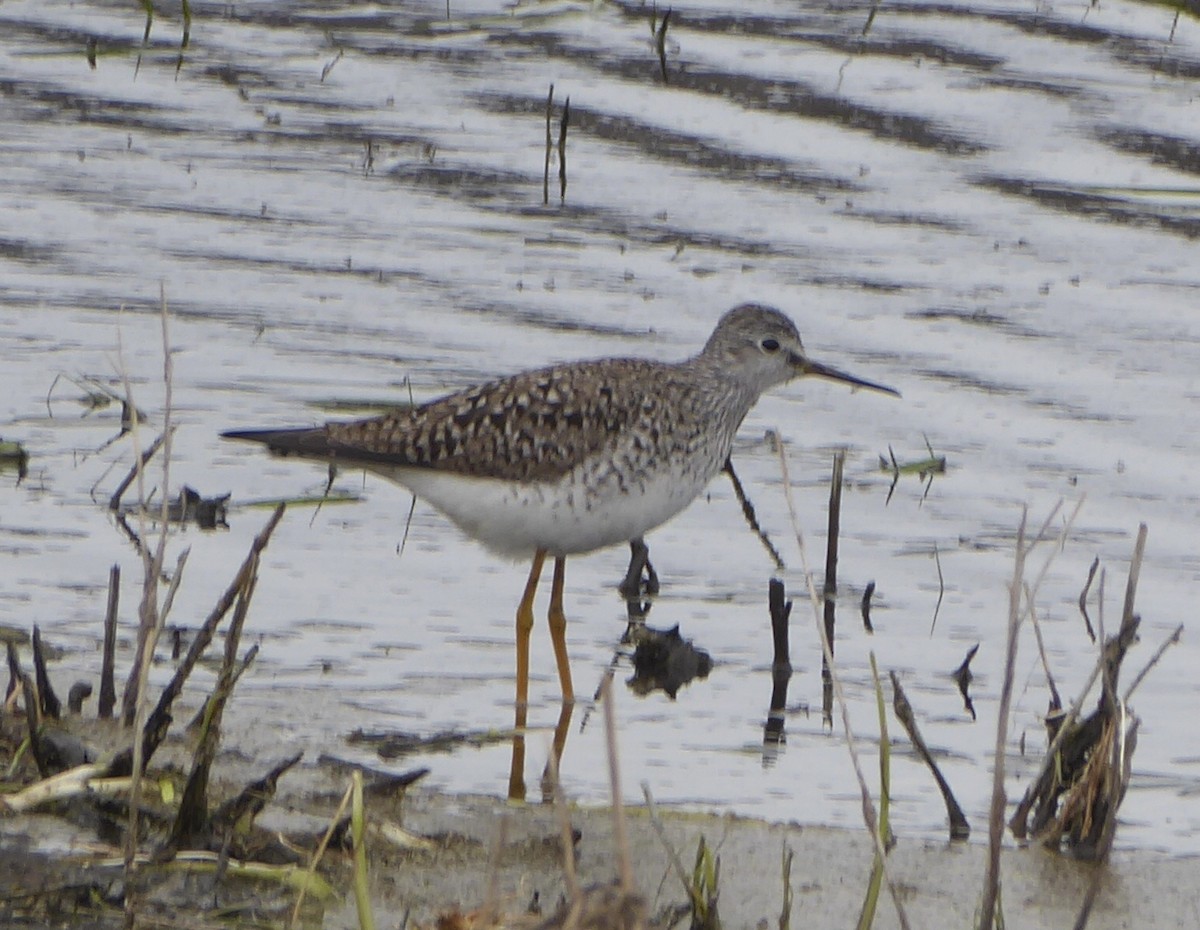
(994, 207)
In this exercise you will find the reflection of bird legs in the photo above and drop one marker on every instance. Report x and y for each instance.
(639, 562)
(558, 638)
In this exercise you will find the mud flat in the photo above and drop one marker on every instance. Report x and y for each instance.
(939, 882)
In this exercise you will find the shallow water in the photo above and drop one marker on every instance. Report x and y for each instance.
(992, 206)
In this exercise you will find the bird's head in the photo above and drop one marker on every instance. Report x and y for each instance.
(760, 345)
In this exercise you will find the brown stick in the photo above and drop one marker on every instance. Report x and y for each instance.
(660, 43)
(549, 148)
(160, 718)
(959, 828)
(114, 502)
(191, 822)
(562, 150)
(751, 517)
(829, 588)
(1087, 586)
(991, 882)
(108, 691)
(781, 664)
(48, 701)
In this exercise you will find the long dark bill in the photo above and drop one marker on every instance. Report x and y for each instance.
(811, 369)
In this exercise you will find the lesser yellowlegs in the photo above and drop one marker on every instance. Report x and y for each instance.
(575, 457)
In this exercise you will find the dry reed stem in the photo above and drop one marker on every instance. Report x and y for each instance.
(149, 618)
(868, 806)
(1017, 587)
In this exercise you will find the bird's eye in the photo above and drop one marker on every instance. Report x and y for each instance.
(770, 345)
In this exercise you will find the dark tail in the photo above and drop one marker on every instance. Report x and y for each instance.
(307, 442)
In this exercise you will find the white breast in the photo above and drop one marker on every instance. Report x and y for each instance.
(579, 513)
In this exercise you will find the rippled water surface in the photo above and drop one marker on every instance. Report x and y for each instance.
(993, 206)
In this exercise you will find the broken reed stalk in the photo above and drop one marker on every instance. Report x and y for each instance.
(197, 721)
(33, 718)
(829, 584)
(48, 702)
(660, 44)
(191, 820)
(160, 719)
(82, 781)
(14, 670)
(549, 148)
(1172, 640)
(1129, 619)
(959, 828)
(236, 815)
(868, 807)
(562, 150)
(781, 664)
(108, 691)
(781, 611)
(114, 502)
(751, 517)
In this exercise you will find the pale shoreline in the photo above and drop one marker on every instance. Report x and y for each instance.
(939, 883)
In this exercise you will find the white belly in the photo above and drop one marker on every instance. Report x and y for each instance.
(562, 517)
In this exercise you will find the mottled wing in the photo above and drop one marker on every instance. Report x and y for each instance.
(537, 425)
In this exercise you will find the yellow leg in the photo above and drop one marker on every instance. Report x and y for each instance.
(516, 774)
(525, 627)
(558, 629)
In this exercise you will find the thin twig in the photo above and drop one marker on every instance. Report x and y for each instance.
(656, 823)
(1037, 634)
(660, 44)
(135, 470)
(1087, 585)
(937, 608)
(751, 517)
(1171, 640)
(614, 775)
